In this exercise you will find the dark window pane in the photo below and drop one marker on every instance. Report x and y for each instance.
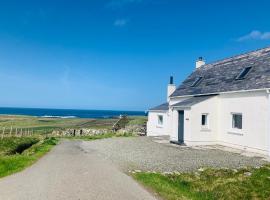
(237, 121)
(203, 120)
(196, 82)
(243, 73)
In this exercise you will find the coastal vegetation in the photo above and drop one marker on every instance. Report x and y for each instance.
(17, 153)
(24, 124)
(41, 126)
(247, 183)
(24, 139)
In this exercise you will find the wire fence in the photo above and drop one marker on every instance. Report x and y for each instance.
(15, 132)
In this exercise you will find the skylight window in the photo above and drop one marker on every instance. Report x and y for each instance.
(197, 81)
(243, 73)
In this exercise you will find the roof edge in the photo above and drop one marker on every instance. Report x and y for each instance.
(235, 91)
(241, 55)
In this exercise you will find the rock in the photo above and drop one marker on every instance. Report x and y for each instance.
(137, 171)
(247, 173)
(201, 170)
(177, 173)
(197, 174)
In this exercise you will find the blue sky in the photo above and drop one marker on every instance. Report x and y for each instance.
(116, 54)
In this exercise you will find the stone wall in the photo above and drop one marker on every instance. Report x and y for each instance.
(80, 132)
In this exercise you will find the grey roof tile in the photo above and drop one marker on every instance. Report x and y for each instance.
(220, 76)
(192, 101)
(162, 107)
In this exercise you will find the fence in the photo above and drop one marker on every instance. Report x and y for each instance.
(15, 132)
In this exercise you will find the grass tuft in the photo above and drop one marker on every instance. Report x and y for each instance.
(10, 164)
(210, 184)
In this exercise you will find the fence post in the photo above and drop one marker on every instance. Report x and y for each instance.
(16, 131)
(10, 132)
(3, 132)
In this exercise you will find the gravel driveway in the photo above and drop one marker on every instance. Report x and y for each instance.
(142, 153)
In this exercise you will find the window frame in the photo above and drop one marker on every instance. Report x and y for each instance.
(197, 81)
(234, 121)
(240, 76)
(206, 125)
(160, 120)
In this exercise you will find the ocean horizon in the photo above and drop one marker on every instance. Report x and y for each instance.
(68, 113)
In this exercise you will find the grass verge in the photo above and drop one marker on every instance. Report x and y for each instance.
(10, 164)
(249, 183)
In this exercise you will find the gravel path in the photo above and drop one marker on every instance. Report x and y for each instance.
(70, 173)
(142, 153)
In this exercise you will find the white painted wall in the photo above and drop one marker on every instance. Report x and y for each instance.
(255, 134)
(153, 128)
(196, 134)
(254, 107)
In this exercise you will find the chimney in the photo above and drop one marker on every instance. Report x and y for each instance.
(200, 62)
(171, 88)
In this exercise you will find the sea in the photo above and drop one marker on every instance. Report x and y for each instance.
(69, 113)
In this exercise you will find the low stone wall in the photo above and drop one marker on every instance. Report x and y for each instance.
(134, 129)
(130, 129)
(80, 132)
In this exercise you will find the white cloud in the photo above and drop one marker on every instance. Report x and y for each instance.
(255, 35)
(121, 3)
(120, 22)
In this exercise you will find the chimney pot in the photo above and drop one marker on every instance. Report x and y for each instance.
(171, 88)
(171, 80)
(200, 62)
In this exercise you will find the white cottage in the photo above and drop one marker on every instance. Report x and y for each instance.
(226, 102)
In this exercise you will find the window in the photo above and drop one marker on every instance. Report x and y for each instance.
(243, 73)
(160, 119)
(197, 81)
(237, 121)
(204, 121)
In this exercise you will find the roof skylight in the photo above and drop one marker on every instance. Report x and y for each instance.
(197, 81)
(243, 73)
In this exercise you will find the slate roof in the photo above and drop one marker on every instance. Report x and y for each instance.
(220, 76)
(162, 107)
(192, 101)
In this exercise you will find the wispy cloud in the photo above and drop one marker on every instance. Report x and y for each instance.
(120, 22)
(121, 3)
(255, 35)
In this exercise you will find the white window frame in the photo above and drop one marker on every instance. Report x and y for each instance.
(206, 126)
(234, 127)
(160, 120)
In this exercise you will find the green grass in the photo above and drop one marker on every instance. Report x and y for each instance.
(10, 164)
(42, 126)
(139, 120)
(210, 184)
(12, 145)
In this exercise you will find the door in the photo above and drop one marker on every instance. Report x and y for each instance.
(181, 126)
